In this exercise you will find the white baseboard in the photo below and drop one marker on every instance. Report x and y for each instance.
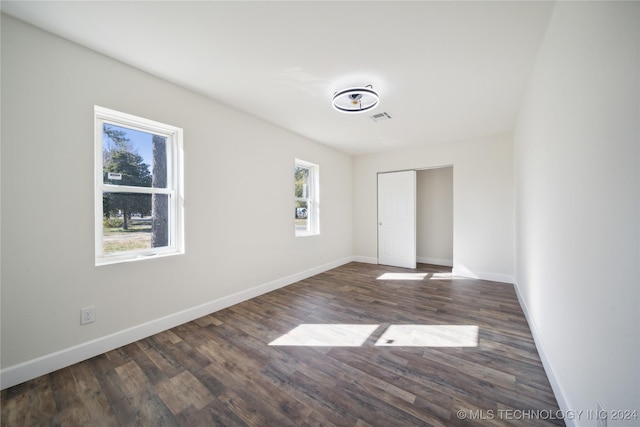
(494, 277)
(365, 259)
(558, 391)
(435, 261)
(34, 368)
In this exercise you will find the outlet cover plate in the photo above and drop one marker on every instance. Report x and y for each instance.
(88, 315)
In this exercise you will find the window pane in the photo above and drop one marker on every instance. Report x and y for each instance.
(302, 216)
(160, 220)
(132, 157)
(302, 181)
(134, 221)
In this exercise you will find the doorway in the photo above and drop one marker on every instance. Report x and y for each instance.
(434, 219)
(415, 217)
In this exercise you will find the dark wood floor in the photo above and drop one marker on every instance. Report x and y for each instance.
(220, 370)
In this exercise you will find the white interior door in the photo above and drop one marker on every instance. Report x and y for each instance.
(397, 219)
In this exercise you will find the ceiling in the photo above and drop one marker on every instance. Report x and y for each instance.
(445, 71)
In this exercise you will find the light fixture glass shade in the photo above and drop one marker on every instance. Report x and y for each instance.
(355, 99)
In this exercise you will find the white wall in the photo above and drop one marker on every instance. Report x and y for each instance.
(482, 201)
(577, 186)
(239, 200)
(434, 216)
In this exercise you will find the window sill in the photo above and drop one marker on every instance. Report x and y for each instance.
(117, 259)
(307, 234)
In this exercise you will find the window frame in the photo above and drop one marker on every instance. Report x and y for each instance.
(174, 188)
(312, 199)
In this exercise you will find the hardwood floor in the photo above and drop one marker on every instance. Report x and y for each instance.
(403, 369)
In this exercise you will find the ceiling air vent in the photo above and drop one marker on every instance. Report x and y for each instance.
(380, 117)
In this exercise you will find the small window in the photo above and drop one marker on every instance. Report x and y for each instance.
(307, 206)
(139, 198)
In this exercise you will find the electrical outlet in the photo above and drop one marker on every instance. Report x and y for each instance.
(602, 415)
(88, 315)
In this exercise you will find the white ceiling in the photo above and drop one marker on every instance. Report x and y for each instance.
(445, 71)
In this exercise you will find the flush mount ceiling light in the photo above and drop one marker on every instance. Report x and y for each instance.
(355, 99)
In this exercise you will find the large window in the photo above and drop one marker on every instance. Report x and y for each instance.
(139, 195)
(307, 206)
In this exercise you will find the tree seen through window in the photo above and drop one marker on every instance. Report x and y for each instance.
(133, 220)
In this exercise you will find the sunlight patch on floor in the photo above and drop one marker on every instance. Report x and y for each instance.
(430, 336)
(326, 335)
(403, 276)
(347, 335)
(441, 276)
